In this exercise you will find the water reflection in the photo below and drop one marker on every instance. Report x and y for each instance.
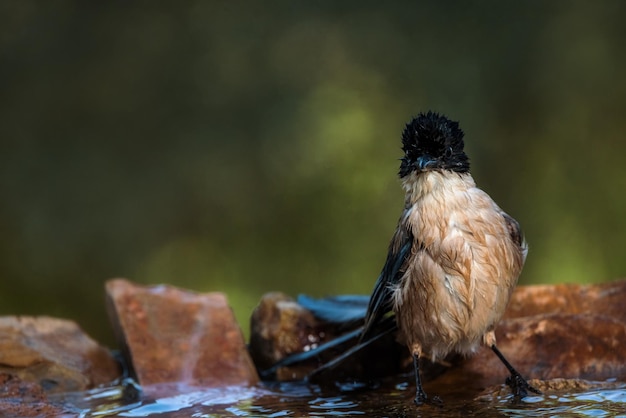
(386, 399)
(592, 403)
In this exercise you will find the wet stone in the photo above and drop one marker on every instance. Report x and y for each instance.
(600, 299)
(544, 347)
(281, 327)
(548, 387)
(549, 332)
(53, 353)
(19, 398)
(172, 335)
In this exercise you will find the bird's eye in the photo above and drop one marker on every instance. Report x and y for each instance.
(448, 152)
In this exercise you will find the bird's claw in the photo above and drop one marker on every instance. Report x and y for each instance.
(519, 386)
(421, 398)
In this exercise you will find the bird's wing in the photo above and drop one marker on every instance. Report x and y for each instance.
(380, 303)
(515, 231)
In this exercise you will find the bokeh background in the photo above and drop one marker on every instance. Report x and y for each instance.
(252, 146)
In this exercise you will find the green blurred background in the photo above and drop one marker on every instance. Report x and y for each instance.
(253, 146)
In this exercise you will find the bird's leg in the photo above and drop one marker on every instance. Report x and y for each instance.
(519, 385)
(420, 396)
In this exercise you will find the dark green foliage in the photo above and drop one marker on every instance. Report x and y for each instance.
(248, 147)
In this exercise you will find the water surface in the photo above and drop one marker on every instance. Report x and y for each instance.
(392, 398)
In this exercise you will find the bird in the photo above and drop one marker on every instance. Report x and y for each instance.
(454, 259)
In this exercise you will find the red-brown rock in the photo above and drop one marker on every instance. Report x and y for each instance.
(172, 335)
(557, 331)
(54, 353)
(25, 399)
(549, 331)
(279, 327)
(568, 346)
(599, 299)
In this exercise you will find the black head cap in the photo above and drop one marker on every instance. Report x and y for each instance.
(433, 142)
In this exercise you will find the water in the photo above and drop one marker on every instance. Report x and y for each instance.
(392, 398)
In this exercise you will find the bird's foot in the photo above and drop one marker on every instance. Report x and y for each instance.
(519, 386)
(421, 398)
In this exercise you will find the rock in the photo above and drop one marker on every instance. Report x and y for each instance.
(54, 353)
(173, 335)
(551, 386)
(568, 346)
(281, 327)
(19, 398)
(570, 397)
(549, 331)
(599, 299)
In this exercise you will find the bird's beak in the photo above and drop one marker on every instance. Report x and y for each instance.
(425, 162)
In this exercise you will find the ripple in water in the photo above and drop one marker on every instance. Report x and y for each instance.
(391, 399)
